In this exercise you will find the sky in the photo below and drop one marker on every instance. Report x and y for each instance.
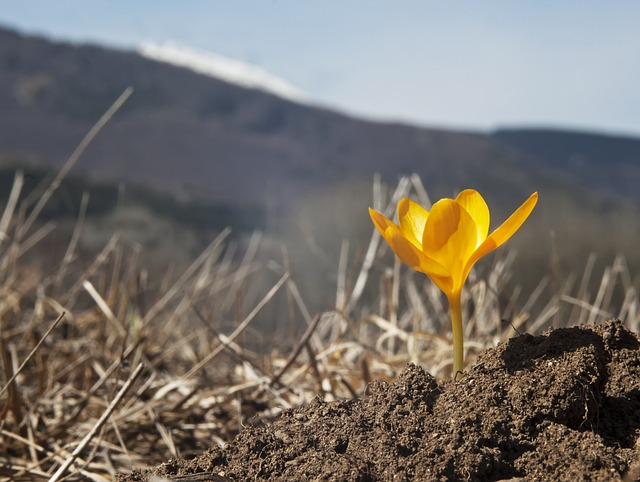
(453, 64)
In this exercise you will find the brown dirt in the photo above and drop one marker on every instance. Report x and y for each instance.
(561, 406)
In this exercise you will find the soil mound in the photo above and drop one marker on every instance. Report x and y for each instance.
(561, 406)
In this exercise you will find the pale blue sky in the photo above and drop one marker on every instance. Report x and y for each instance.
(462, 64)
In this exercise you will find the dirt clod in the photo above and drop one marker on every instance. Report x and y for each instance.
(561, 406)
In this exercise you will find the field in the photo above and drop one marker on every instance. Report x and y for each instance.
(109, 365)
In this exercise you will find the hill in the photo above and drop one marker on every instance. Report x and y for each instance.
(198, 137)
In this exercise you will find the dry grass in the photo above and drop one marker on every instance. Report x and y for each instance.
(105, 370)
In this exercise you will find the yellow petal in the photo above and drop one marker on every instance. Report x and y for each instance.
(404, 248)
(380, 221)
(413, 257)
(507, 229)
(450, 238)
(475, 205)
(445, 283)
(413, 218)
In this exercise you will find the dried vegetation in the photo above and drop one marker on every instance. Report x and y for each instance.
(105, 370)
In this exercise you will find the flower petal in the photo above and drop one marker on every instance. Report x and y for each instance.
(413, 257)
(408, 252)
(507, 229)
(475, 205)
(450, 238)
(380, 221)
(413, 218)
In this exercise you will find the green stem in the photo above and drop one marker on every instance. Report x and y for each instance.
(458, 340)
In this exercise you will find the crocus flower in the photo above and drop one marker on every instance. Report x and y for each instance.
(445, 243)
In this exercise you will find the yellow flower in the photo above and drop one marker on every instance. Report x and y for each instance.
(445, 243)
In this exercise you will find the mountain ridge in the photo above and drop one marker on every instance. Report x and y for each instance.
(202, 139)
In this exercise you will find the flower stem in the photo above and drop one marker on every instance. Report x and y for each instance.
(458, 341)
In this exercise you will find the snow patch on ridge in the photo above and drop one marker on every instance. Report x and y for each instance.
(223, 68)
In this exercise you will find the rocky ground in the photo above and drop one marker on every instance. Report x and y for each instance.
(561, 406)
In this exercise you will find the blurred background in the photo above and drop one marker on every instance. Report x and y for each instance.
(278, 116)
